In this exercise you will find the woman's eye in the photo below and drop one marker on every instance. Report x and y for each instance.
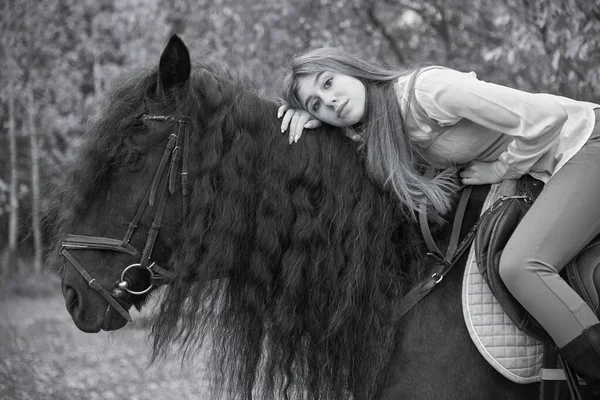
(327, 83)
(316, 105)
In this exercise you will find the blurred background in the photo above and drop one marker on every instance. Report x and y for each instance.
(59, 59)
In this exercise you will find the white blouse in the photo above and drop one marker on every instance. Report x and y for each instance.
(457, 118)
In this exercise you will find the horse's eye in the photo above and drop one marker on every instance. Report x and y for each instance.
(138, 126)
(132, 159)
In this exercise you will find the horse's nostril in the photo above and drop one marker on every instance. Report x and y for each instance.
(72, 300)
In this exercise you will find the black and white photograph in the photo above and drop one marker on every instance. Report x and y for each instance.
(300, 200)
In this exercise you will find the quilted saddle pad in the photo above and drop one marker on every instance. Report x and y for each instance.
(513, 353)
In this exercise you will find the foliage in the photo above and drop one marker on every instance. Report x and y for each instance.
(73, 52)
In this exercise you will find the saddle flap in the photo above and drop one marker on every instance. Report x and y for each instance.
(583, 273)
(494, 232)
(515, 354)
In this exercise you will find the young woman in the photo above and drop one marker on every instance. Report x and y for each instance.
(450, 119)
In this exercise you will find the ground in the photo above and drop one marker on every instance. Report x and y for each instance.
(44, 356)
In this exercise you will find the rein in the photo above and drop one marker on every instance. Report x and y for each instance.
(158, 276)
(443, 262)
(454, 251)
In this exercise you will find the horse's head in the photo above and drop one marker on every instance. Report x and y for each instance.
(124, 195)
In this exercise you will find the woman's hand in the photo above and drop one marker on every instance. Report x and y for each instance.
(297, 120)
(479, 173)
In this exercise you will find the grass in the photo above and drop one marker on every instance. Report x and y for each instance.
(25, 283)
(44, 356)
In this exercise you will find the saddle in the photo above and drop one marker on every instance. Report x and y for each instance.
(495, 228)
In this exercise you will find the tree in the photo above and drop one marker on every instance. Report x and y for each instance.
(33, 140)
(9, 87)
(14, 201)
(59, 58)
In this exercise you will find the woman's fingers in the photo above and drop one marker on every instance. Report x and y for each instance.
(296, 120)
(281, 110)
(297, 125)
(466, 174)
(312, 124)
(287, 117)
(479, 173)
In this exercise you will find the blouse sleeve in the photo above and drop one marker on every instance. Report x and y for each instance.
(534, 122)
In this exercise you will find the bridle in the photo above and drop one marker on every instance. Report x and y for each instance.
(175, 152)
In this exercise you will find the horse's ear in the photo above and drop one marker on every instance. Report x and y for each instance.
(175, 66)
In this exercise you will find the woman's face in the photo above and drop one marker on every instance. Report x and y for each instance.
(333, 98)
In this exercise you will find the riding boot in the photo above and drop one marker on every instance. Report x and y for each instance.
(583, 355)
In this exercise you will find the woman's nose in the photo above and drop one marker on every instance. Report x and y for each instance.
(331, 100)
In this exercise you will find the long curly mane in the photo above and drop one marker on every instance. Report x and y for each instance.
(315, 258)
(291, 263)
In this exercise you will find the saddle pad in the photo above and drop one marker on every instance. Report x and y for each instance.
(510, 351)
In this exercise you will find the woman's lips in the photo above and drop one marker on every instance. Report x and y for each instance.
(341, 108)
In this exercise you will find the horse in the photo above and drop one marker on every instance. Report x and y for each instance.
(286, 262)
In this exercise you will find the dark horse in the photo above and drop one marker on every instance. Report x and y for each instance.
(289, 264)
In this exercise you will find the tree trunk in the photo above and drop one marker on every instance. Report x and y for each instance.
(13, 222)
(35, 183)
(36, 225)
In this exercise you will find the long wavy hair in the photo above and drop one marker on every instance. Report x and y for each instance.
(292, 262)
(391, 159)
